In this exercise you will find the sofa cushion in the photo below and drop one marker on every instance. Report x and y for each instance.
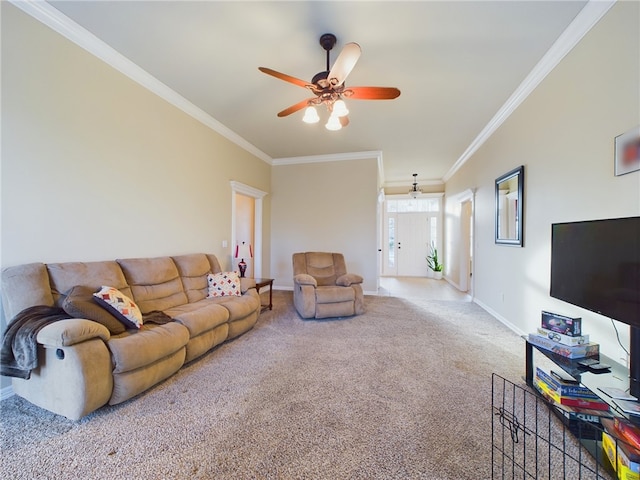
(223, 284)
(193, 270)
(200, 316)
(239, 307)
(138, 348)
(25, 286)
(65, 276)
(79, 302)
(155, 283)
(215, 264)
(325, 267)
(120, 306)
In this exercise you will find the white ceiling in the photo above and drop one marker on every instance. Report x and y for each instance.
(456, 64)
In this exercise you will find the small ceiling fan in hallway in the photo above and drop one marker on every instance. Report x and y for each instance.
(329, 88)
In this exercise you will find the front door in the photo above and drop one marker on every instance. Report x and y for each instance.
(410, 227)
(413, 244)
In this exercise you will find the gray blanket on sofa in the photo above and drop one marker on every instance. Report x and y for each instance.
(19, 348)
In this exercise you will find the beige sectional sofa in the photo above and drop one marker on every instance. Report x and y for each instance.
(84, 364)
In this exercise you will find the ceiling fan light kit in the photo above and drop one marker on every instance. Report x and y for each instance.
(329, 88)
(311, 115)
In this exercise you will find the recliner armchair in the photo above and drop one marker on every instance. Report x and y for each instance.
(322, 288)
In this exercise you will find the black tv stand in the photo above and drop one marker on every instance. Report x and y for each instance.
(589, 435)
(617, 377)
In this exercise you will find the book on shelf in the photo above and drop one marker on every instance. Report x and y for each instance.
(627, 467)
(565, 389)
(570, 401)
(628, 406)
(578, 413)
(623, 456)
(576, 351)
(628, 431)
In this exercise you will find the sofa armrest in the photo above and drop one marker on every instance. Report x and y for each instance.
(348, 279)
(70, 332)
(305, 279)
(247, 284)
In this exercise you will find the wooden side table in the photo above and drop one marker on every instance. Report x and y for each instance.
(263, 282)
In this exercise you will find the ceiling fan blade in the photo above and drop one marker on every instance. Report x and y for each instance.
(344, 64)
(286, 78)
(294, 108)
(372, 93)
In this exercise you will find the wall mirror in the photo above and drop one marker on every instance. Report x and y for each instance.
(509, 201)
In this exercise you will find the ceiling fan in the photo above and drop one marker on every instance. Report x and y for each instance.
(329, 88)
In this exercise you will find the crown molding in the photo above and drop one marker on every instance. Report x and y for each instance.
(60, 23)
(408, 184)
(332, 157)
(336, 157)
(591, 13)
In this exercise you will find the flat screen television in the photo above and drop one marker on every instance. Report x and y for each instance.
(596, 265)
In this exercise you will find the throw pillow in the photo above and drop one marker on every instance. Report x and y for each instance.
(223, 284)
(80, 303)
(120, 306)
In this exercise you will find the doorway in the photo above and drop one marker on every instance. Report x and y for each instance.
(237, 191)
(410, 227)
(244, 231)
(460, 230)
(466, 244)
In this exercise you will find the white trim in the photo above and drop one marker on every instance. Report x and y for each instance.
(592, 12)
(408, 184)
(332, 157)
(53, 18)
(499, 317)
(455, 201)
(336, 157)
(247, 190)
(6, 392)
(396, 196)
(468, 194)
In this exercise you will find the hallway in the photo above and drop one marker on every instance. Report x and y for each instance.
(419, 287)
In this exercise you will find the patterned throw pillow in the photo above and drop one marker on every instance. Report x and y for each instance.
(120, 306)
(223, 284)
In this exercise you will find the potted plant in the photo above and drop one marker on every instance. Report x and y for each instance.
(434, 263)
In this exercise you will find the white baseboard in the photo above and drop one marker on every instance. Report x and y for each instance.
(499, 317)
(6, 392)
(280, 287)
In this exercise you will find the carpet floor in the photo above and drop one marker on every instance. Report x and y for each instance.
(401, 392)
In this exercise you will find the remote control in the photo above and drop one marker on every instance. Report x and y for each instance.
(563, 376)
(585, 362)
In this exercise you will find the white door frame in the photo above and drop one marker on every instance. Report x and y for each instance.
(439, 215)
(465, 254)
(258, 195)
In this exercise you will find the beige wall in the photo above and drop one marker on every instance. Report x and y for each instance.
(96, 167)
(563, 134)
(329, 207)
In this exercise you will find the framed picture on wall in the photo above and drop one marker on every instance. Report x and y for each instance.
(627, 152)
